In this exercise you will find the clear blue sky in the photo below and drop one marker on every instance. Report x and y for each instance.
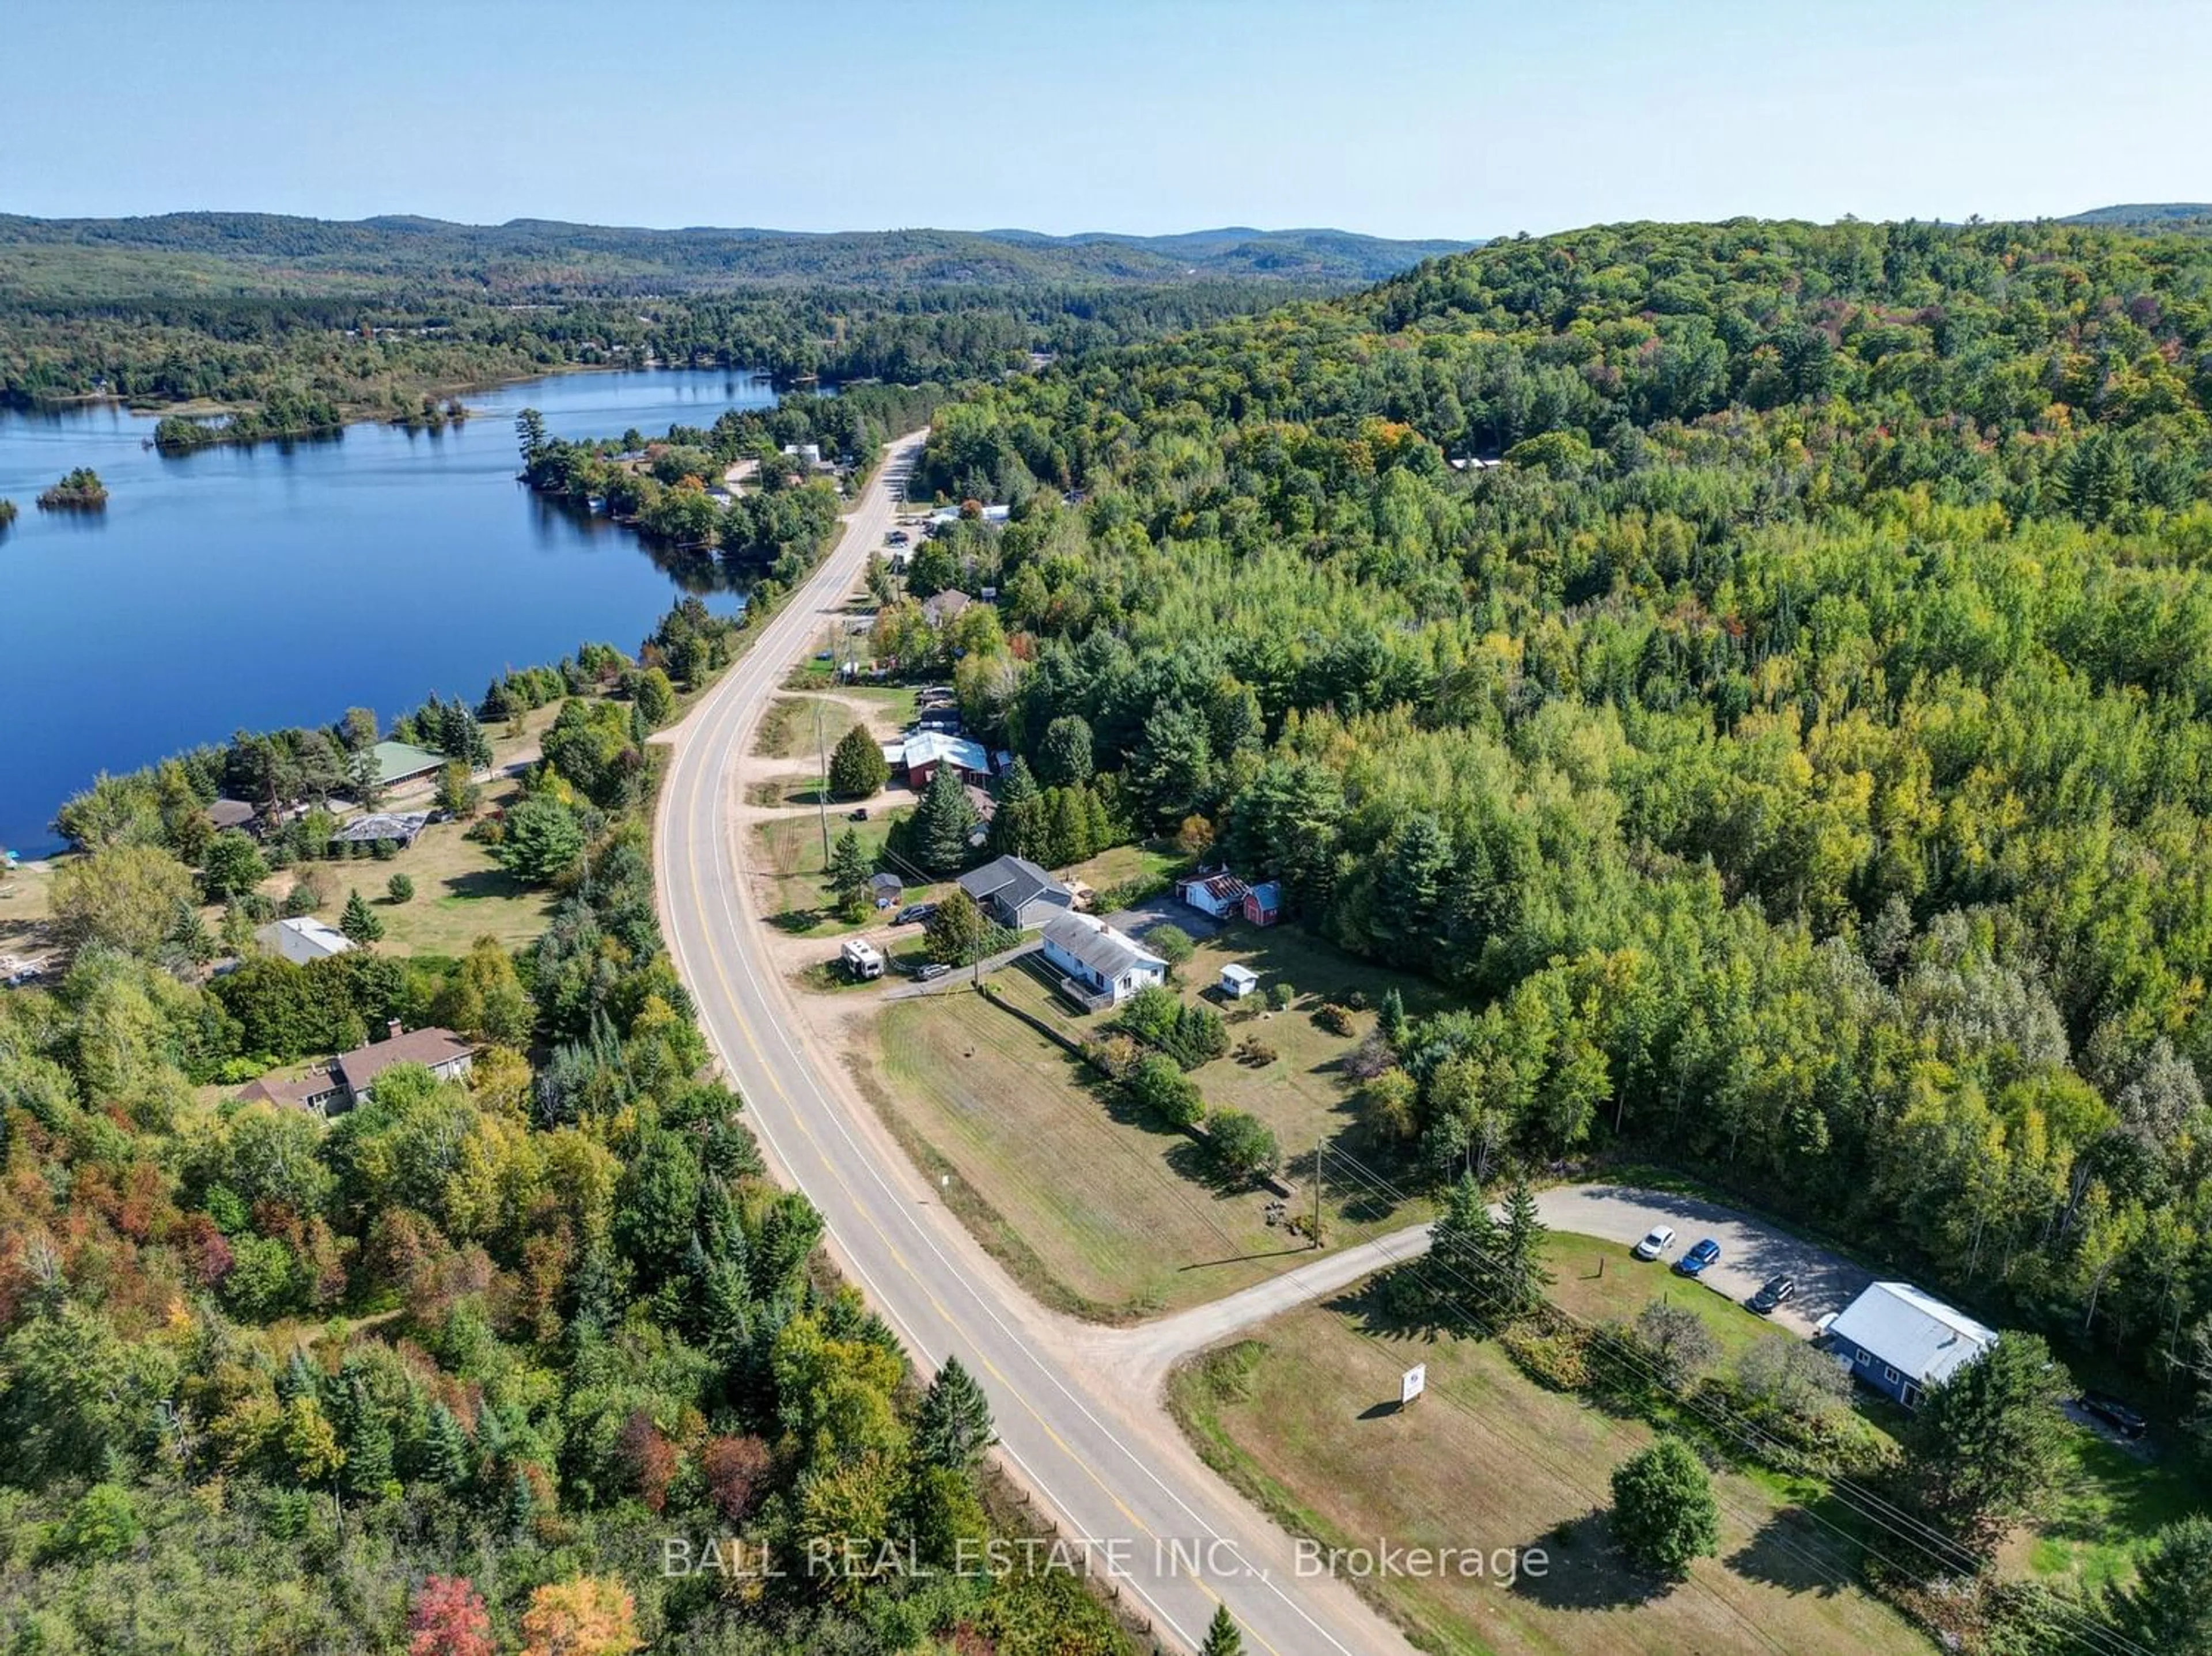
(1414, 117)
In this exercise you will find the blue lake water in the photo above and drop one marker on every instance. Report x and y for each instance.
(280, 584)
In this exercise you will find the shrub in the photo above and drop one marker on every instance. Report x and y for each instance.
(1172, 944)
(1663, 1510)
(305, 896)
(1155, 1083)
(1280, 995)
(1333, 1018)
(400, 888)
(1558, 1358)
(1243, 1146)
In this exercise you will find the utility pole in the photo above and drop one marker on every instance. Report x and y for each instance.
(1319, 1146)
(822, 793)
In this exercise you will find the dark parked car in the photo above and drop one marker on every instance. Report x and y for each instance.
(1693, 1263)
(1771, 1292)
(2115, 1414)
(913, 913)
(859, 816)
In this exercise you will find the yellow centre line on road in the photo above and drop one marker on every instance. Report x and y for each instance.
(725, 723)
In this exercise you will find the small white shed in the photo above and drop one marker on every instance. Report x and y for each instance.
(1238, 981)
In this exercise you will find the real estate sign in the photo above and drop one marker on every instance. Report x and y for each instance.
(1413, 1384)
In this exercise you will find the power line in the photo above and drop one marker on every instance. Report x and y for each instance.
(1862, 1503)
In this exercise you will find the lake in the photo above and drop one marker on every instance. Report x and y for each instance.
(280, 584)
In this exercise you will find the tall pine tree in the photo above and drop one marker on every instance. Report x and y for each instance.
(1222, 1638)
(943, 822)
(952, 1427)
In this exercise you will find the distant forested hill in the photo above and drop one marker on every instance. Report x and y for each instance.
(257, 310)
(2162, 214)
(526, 254)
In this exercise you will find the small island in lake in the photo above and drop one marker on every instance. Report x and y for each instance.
(284, 415)
(80, 489)
(7, 513)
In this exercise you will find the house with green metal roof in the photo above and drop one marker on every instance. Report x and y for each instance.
(403, 761)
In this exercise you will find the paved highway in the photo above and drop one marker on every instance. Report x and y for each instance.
(1095, 1447)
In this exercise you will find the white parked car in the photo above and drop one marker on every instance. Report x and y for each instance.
(1656, 1242)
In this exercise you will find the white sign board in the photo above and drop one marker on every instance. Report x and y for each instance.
(1416, 1379)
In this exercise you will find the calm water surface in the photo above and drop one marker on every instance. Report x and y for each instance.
(280, 584)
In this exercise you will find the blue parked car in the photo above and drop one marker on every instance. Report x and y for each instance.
(1693, 1263)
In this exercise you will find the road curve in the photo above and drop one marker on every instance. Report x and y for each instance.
(1099, 1454)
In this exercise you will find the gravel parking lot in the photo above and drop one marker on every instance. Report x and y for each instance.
(1750, 1251)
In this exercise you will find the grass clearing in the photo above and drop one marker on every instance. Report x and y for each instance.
(1597, 1282)
(1304, 1419)
(460, 893)
(790, 861)
(1098, 1209)
(27, 911)
(777, 736)
(1124, 865)
(2111, 1501)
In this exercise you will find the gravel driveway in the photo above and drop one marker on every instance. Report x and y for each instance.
(1750, 1251)
(1165, 909)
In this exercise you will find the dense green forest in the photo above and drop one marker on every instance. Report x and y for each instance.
(294, 320)
(446, 1372)
(1796, 752)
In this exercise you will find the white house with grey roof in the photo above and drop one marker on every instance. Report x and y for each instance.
(1900, 1341)
(1105, 966)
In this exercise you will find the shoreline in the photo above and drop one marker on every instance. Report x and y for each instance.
(357, 414)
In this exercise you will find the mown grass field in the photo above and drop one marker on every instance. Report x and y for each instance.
(1304, 1418)
(1098, 1209)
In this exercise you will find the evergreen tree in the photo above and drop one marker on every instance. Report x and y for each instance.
(360, 922)
(445, 1448)
(365, 1436)
(1019, 826)
(943, 822)
(848, 873)
(958, 933)
(1522, 1279)
(1390, 1018)
(1068, 829)
(1417, 864)
(2168, 1608)
(1988, 1443)
(858, 769)
(364, 781)
(521, 1502)
(1065, 757)
(1222, 1638)
(1462, 1269)
(952, 1427)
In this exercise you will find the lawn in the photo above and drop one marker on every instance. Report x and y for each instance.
(460, 894)
(1598, 1282)
(792, 863)
(787, 729)
(2110, 1501)
(1124, 865)
(26, 908)
(1304, 1418)
(1097, 1208)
